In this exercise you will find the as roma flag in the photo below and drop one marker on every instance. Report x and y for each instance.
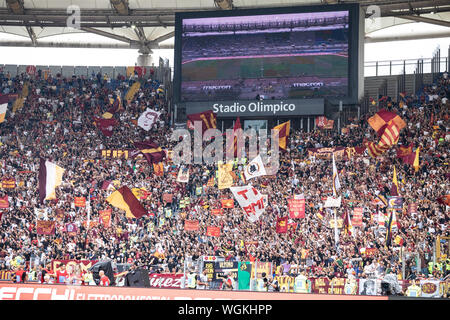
(380, 120)
(404, 151)
(106, 126)
(228, 203)
(191, 225)
(374, 150)
(208, 119)
(124, 199)
(151, 151)
(282, 224)
(283, 133)
(213, 231)
(45, 227)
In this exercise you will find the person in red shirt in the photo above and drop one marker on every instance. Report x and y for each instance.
(104, 280)
(61, 274)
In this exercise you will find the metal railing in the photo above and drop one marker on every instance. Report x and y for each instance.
(407, 66)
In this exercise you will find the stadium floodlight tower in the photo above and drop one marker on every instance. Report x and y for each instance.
(224, 4)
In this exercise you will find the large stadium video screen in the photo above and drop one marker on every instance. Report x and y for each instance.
(269, 56)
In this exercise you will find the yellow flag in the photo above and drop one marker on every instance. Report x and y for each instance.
(225, 179)
(416, 160)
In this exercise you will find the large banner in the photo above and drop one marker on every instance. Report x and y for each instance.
(296, 208)
(325, 285)
(83, 264)
(326, 153)
(250, 200)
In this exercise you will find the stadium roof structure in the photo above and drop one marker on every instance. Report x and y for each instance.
(150, 24)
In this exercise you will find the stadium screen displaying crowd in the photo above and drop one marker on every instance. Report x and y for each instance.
(278, 56)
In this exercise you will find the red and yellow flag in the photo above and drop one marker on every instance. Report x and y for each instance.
(208, 119)
(283, 133)
(124, 199)
(380, 120)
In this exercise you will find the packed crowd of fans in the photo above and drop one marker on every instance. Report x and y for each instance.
(56, 123)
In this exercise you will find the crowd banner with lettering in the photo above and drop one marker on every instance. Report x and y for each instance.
(296, 208)
(45, 227)
(110, 154)
(327, 286)
(212, 231)
(227, 203)
(8, 183)
(281, 226)
(84, 265)
(430, 288)
(412, 208)
(80, 202)
(326, 153)
(5, 275)
(357, 217)
(191, 225)
(250, 200)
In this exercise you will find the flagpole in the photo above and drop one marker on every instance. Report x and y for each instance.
(336, 236)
